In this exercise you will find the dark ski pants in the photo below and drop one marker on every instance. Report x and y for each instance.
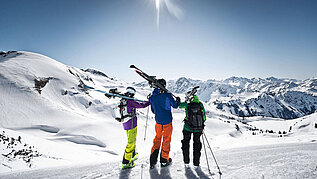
(197, 146)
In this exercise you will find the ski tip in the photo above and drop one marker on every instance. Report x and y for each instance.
(132, 66)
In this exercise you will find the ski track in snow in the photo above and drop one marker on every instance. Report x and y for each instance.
(297, 160)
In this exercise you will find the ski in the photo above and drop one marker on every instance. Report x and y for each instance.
(151, 79)
(112, 94)
(191, 93)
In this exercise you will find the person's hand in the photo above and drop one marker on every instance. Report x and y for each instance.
(107, 95)
(150, 83)
(178, 99)
(148, 96)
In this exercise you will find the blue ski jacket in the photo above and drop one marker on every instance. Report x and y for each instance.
(161, 106)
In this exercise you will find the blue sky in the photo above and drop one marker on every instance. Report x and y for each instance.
(214, 39)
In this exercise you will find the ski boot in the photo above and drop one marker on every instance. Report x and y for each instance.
(196, 167)
(187, 166)
(129, 165)
(152, 166)
(135, 156)
(153, 158)
(165, 164)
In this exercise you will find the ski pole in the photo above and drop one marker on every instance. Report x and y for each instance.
(212, 154)
(206, 155)
(142, 171)
(147, 118)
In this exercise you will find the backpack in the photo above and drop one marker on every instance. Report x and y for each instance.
(195, 118)
(122, 114)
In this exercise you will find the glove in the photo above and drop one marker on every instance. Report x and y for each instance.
(148, 96)
(109, 96)
(118, 119)
(151, 84)
(178, 99)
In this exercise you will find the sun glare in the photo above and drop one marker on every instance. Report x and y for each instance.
(157, 4)
(172, 8)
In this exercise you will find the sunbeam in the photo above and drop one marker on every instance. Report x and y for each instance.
(157, 3)
(172, 8)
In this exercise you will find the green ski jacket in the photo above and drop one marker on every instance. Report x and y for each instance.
(185, 105)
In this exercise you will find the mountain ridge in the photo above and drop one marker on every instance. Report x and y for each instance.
(270, 97)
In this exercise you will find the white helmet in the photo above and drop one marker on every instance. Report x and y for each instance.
(130, 90)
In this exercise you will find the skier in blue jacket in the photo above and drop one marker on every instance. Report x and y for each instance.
(161, 103)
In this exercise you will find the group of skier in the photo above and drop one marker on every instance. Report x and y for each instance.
(161, 102)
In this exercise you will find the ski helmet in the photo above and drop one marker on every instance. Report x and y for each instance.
(130, 91)
(162, 82)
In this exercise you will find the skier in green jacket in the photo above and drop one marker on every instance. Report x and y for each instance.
(193, 124)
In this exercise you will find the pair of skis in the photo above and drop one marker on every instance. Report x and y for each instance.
(190, 94)
(112, 94)
(153, 82)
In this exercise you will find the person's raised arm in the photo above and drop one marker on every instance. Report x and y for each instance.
(136, 104)
(174, 103)
(183, 105)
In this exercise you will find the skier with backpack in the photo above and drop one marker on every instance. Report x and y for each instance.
(193, 124)
(161, 103)
(128, 117)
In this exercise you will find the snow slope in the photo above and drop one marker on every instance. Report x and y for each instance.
(43, 102)
(241, 163)
(61, 112)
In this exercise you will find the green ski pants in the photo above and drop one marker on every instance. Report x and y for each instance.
(131, 135)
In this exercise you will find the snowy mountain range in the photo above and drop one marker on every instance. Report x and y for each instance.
(270, 97)
(47, 118)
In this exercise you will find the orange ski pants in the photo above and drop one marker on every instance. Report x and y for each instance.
(164, 131)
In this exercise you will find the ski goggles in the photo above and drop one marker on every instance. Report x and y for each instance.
(131, 91)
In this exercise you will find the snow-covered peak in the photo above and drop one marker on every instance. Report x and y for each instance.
(181, 85)
(272, 97)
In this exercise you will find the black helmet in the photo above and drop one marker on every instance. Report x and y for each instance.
(162, 82)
